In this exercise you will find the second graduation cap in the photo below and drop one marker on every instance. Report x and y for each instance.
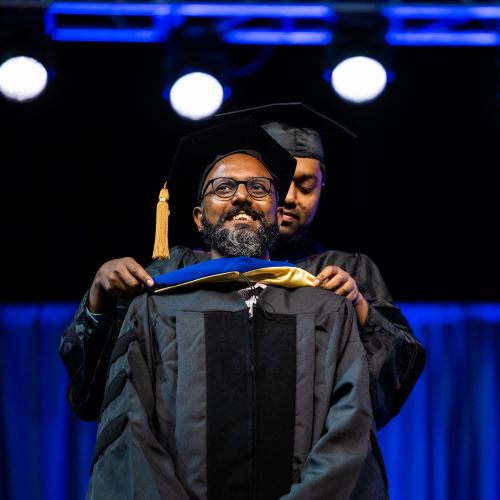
(295, 126)
(196, 155)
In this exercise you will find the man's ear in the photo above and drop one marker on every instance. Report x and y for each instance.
(279, 215)
(197, 215)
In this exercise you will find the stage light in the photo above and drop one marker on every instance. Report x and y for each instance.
(359, 79)
(251, 36)
(448, 25)
(22, 78)
(196, 96)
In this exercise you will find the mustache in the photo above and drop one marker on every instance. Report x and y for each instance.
(239, 208)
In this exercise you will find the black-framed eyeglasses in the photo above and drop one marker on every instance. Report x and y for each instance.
(225, 187)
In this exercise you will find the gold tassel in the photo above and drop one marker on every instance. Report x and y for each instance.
(160, 250)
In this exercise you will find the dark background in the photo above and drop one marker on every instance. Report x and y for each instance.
(83, 164)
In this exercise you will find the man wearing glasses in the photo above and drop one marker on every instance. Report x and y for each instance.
(395, 357)
(236, 378)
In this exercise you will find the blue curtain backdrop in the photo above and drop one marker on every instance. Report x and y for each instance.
(443, 445)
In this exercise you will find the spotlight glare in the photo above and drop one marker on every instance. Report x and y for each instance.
(196, 96)
(359, 79)
(22, 78)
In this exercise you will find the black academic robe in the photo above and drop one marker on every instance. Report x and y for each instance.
(204, 402)
(395, 357)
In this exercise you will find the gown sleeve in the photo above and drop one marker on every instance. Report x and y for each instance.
(395, 356)
(131, 460)
(86, 344)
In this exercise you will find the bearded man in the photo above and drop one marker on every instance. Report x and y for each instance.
(395, 357)
(236, 378)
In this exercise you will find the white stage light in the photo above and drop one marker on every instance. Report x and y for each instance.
(359, 79)
(22, 78)
(196, 96)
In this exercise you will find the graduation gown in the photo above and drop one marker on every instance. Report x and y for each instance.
(204, 402)
(395, 357)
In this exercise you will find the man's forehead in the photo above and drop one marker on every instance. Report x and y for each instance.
(307, 167)
(239, 166)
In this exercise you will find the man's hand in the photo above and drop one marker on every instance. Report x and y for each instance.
(117, 278)
(342, 283)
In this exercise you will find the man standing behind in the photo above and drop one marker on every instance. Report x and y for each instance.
(395, 357)
(252, 388)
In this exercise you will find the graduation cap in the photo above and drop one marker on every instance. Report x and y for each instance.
(295, 126)
(198, 152)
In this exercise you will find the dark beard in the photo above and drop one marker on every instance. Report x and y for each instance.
(240, 242)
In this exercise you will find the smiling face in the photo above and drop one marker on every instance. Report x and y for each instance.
(241, 224)
(302, 199)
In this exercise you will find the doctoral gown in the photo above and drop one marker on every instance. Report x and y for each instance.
(203, 401)
(395, 357)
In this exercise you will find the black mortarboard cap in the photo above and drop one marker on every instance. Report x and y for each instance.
(199, 151)
(300, 129)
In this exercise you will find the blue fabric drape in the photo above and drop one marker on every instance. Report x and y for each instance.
(46, 450)
(443, 445)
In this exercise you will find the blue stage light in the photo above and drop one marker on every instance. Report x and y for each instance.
(164, 16)
(160, 19)
(438, 24)
(278, 37)
(463, 12)
(422, 38)
(106, 35)
(109, 9)
(304, 11)
(447, 25)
